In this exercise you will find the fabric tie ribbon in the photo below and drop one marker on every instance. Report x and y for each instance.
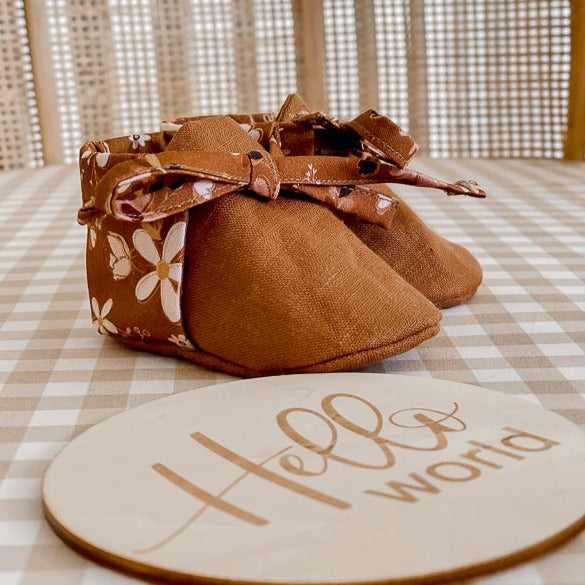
(214, 156)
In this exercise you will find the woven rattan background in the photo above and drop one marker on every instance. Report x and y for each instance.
(20, 140)
(488, 78)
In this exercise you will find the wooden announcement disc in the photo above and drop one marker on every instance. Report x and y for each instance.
(327, 478)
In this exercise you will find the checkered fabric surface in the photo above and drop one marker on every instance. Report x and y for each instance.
(523, 334)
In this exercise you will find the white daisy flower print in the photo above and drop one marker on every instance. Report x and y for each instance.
(119, 256)
(166, 273)
(103, 325)
(101, 158)
(92, 236)
(138, 140)
(383, 203)
(203, 188)
(94, 227)
(253, 132)
(181, 341)
(84, 161)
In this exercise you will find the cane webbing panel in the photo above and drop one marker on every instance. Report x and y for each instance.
(134, 83)
(341, 55)
(172, 25)
(497, 74)
(213, 72)
(90, 37)
(392, 27)
(20, 143)
(65, 78)
(275, 52)
(487, 78)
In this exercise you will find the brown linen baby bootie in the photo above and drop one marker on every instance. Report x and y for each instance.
(444, 272)
(217, 251)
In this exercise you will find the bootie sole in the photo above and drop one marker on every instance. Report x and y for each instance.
(342, 362)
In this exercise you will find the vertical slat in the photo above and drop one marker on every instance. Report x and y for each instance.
(133, 79)
(14, 127)
(245, 55)
(574, 147)
(365, 23)
(392, 20)
(417, 76)
(341, 56)
(91, 46)
(20, 140)
(44, 80)
(310, 42)
(211, 56)
(299, 47)
(275, 52)
(172, 24)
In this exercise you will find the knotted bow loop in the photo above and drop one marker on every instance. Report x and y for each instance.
(224, 134)
(369, 132)
(372, 132)
(199, 165)
(383, 138)
(154, 186)
(383, 147)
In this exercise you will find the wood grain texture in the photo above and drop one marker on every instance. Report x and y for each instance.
(575, 139)
(311, 62)
(365, 24)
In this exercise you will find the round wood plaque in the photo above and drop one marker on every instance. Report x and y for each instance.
(326, 478)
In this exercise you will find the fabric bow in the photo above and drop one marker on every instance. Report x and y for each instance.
(211, 157)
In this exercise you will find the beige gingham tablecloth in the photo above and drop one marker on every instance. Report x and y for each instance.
(522, 334)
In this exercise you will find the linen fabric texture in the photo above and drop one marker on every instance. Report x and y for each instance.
(266, 244)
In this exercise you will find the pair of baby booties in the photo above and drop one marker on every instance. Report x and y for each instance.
(261, 245)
